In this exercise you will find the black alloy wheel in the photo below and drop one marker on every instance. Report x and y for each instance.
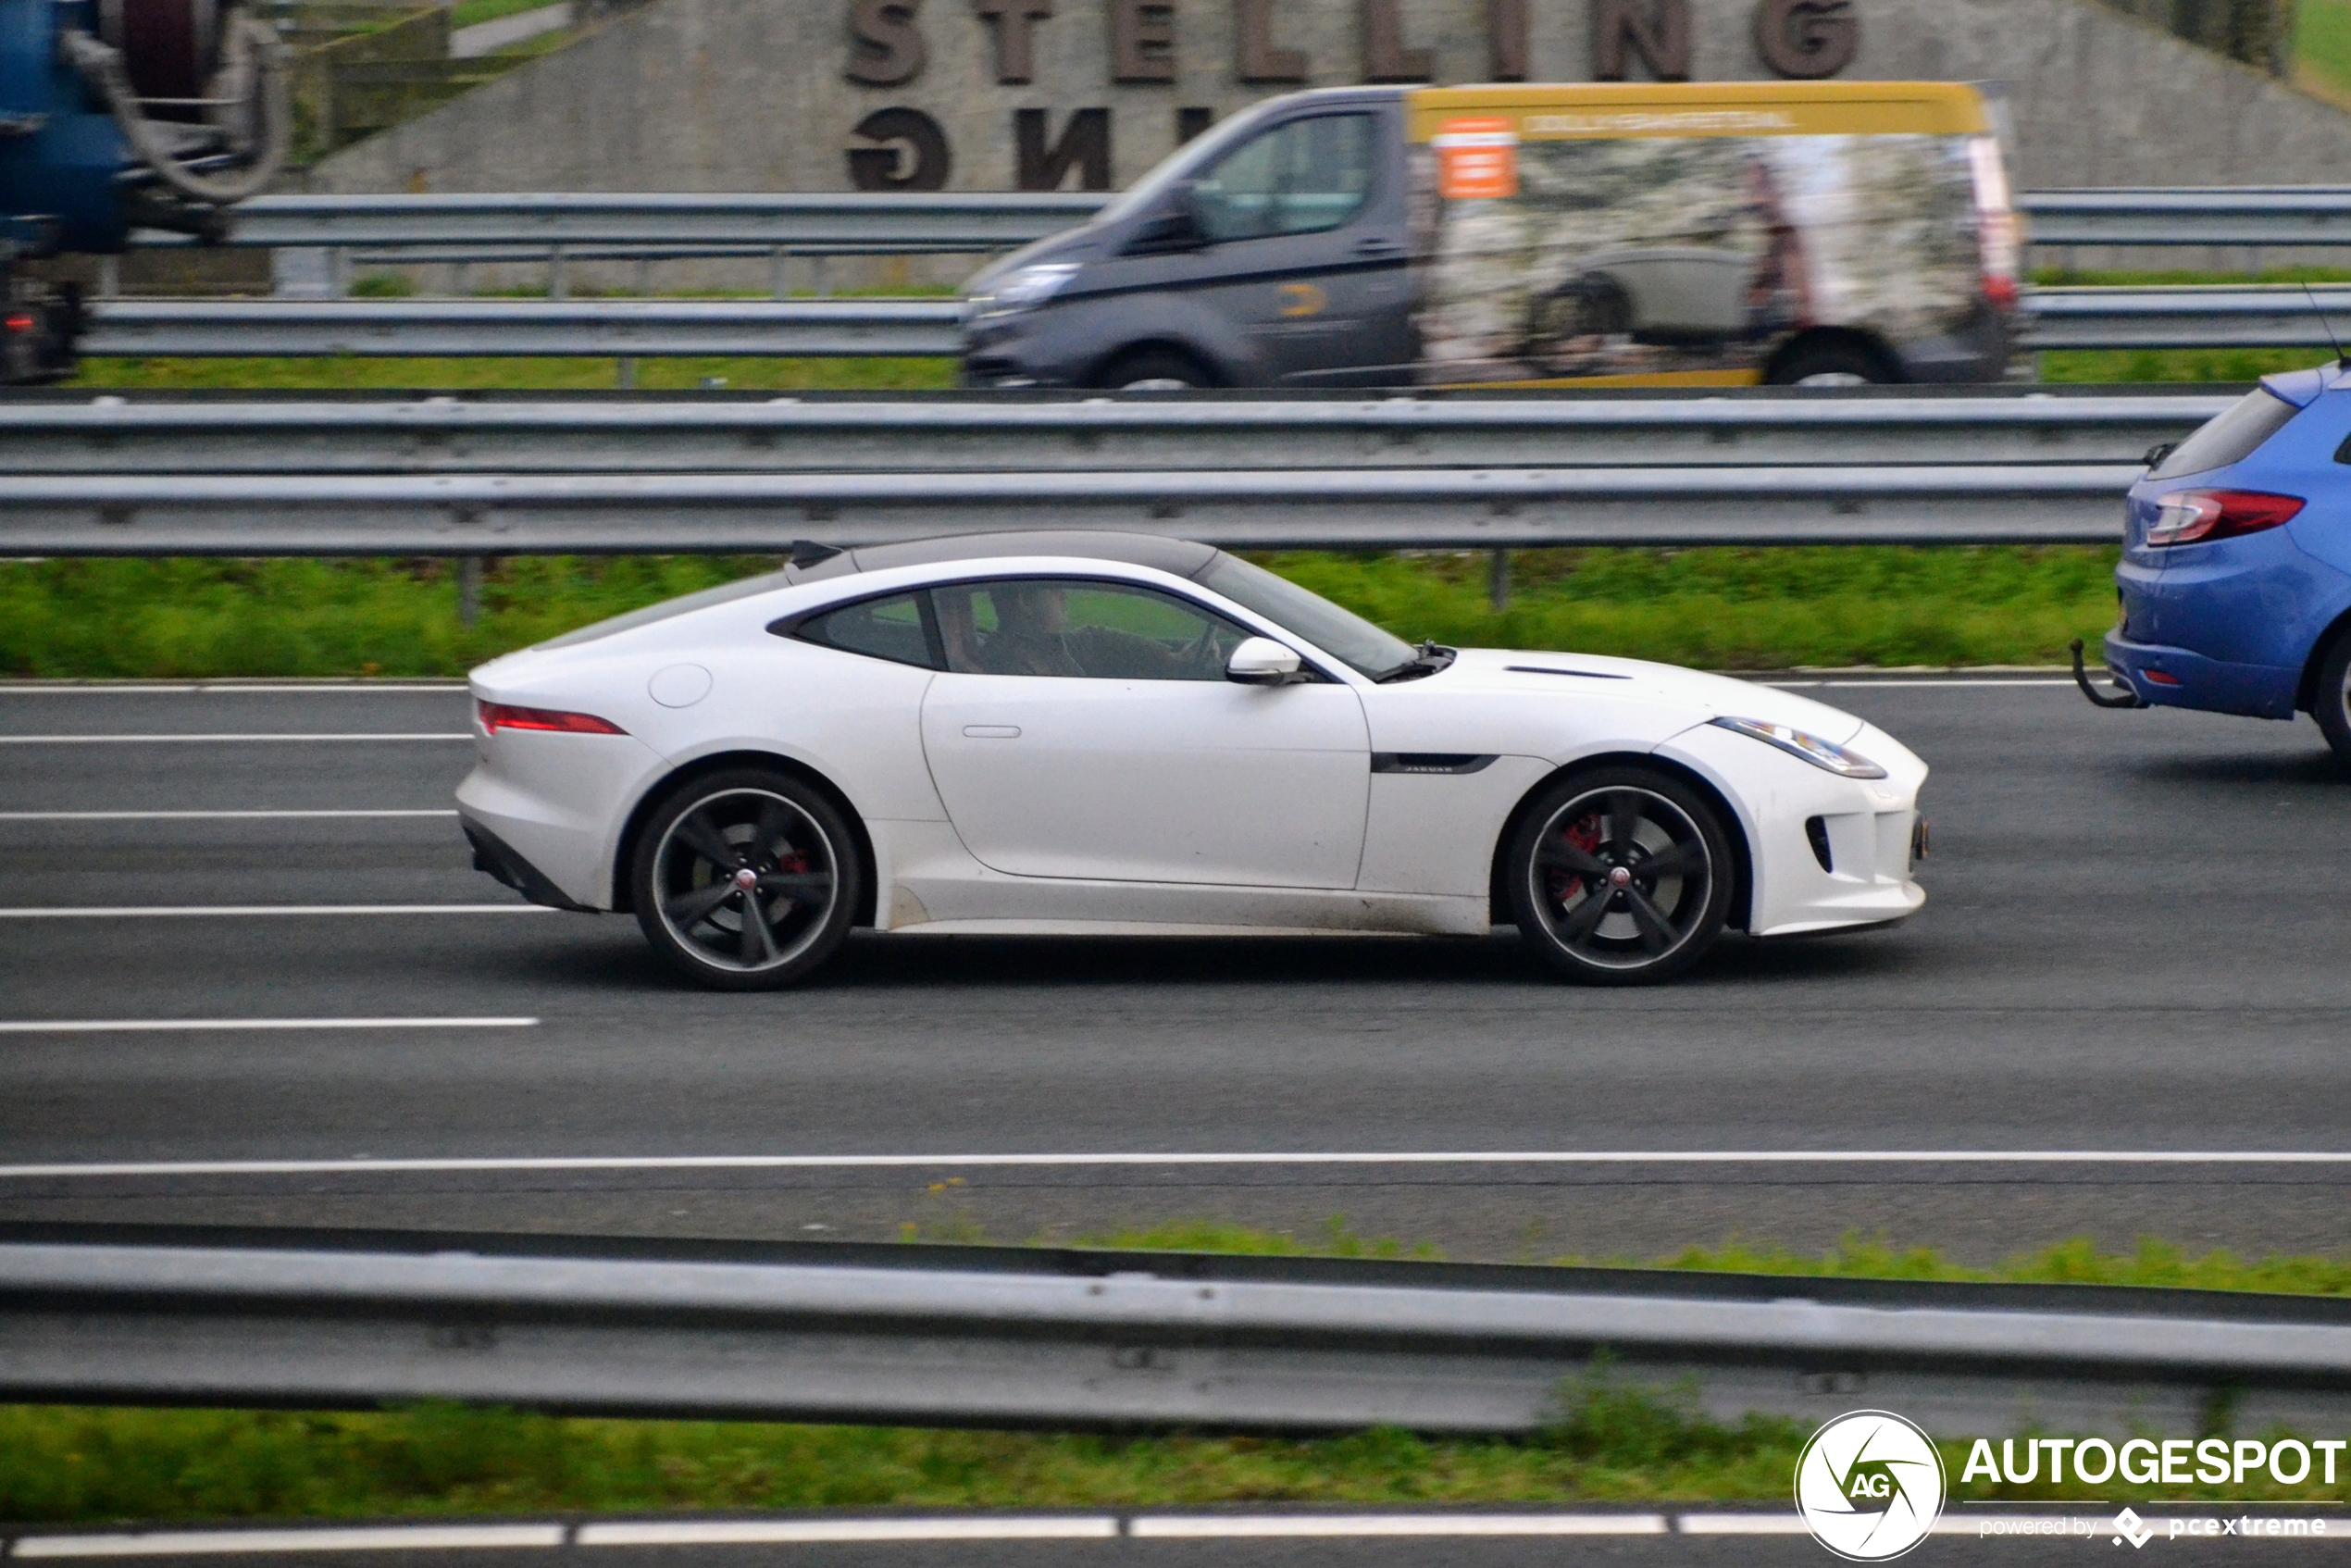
(746, 880)
(2330, 699)
(1621, 876)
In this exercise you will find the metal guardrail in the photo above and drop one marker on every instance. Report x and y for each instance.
(2261, 315)
(1129, 1342)
(1296, 509)
(2269, 317)
(705, 436)
(502, 327)
(802, 223)
(817, 224)
(2265, 214)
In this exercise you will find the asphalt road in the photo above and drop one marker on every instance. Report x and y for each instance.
(2132, 944)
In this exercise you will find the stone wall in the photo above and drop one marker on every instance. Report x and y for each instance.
(765, 96)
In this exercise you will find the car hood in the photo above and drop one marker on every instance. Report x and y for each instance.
(1704, 696)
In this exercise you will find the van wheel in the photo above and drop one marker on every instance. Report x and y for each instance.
(2331, 701)
(1833, 364)
(1155, 370)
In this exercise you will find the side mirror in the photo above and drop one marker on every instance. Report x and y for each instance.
(1175, 226)
(1261, 661)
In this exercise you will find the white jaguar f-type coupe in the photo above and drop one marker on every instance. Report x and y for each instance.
(1097, 734)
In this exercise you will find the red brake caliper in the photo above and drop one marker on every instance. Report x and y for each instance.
(1585, 836)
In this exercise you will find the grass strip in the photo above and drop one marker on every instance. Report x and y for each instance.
(1715, 608)
(1614, 1440)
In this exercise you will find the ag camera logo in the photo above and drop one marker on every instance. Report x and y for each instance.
(1870, 1485)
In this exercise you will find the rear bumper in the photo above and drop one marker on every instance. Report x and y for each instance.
(499, 858)
(2194, 682)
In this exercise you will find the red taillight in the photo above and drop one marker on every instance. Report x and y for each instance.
(496, 716)
(2196, 516)
(2001, 291)
(20, 323)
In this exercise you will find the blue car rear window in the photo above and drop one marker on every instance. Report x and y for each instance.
(2231, 436)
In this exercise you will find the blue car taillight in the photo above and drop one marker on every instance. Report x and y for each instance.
(2197, 516)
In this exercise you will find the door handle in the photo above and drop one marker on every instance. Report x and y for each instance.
(991, 731)
(1377, 245)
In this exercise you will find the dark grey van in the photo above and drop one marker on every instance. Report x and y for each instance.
(1314, 240)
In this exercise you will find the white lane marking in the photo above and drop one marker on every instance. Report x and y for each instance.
(203, 816)
(926, 1162)
(723, 1532)
(1742, 1524)
(1211, 1527)
(1980, 680)
(214, 689)
(225, 910)
(187, 1543)
(233, 738)
(182, 1026)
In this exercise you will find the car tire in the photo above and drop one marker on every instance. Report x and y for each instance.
(2331, 697)
(1577, 890)
(1832, 364)
(747, 879)
(1155, 370)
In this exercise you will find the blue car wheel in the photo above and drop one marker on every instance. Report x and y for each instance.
(2331, 696)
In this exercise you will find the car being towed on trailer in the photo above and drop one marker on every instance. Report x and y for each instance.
(1091, 733)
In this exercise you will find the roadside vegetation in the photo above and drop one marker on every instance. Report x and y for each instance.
(1715, 608)
(1614, 1441)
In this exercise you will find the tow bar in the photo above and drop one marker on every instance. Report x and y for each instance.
(2126, 698)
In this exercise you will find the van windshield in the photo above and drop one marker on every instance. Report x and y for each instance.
(1182, 164)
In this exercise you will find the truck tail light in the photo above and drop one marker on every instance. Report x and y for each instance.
(2196, 516)
(496, 716)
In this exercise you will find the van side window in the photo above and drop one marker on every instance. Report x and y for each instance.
(1299, 178)
(897, 628)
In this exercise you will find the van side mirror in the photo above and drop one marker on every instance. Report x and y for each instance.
(1175, 226)
(1261, 661)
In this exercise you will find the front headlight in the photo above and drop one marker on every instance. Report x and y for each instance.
(1812, 748)
(1022, 288)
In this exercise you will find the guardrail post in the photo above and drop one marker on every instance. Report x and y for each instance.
(1497, 579)
(461, 279)
(779, 272)
(109, 277)
(558, 277)
(628, 372)
(823, 266)
(338, 272)
(468, 590)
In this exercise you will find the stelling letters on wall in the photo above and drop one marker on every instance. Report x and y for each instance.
(1175, 65)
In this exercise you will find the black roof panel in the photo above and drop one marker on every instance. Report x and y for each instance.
(1180, 557)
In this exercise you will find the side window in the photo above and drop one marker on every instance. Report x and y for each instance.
(892, 629)
(1299, 177)
(1081, 630)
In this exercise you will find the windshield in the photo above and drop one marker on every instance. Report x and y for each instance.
(1181, 163)
(1344, 635)
(2229, 437)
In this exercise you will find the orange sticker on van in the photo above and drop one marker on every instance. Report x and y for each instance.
(1476, 158)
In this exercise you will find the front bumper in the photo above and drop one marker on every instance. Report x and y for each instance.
(2166, 676)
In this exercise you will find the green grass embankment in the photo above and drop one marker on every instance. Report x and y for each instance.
(1718, 608)
(1613, 1442)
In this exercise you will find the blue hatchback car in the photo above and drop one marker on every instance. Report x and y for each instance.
(2235, 578)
